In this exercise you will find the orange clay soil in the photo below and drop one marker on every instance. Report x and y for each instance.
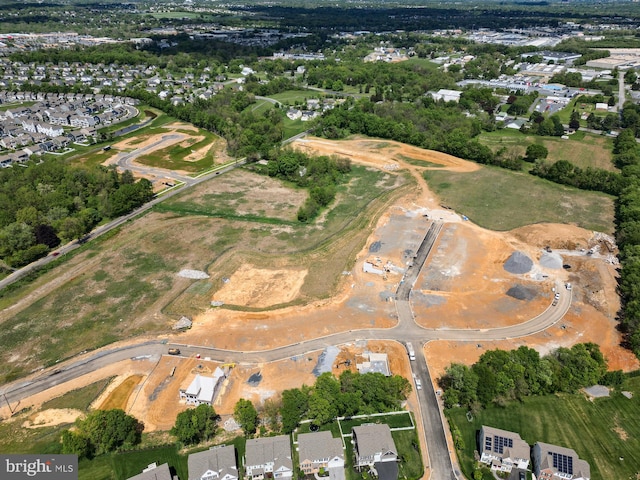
(470, 280)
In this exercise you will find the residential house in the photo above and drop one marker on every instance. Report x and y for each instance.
(551, 462)
(268, 457)
(318, 450)
(447, 95)
(503, 450)
(154, 472)
(294, 113)
(203, 389)
(375, 449)
(217, 463)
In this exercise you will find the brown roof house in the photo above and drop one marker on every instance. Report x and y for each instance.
(551, 462)
(374, 448)
(503, 450)
(268, 457)
(217, 463)
(318, 450)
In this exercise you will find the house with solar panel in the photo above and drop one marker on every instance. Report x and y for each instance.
(503, 450)
(551, 462)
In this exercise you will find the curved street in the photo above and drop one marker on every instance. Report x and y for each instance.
(439, 463)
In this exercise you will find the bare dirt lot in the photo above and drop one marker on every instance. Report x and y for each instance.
(464, 284)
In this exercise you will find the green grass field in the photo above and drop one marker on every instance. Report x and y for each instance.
(600, 431)
(290, 97)
(80, 398)
(581, 149)
(499, 199)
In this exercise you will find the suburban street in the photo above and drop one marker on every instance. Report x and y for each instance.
(406, 329)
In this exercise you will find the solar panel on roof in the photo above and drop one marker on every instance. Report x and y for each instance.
(500, 442)
(563, 463)
(487, 443)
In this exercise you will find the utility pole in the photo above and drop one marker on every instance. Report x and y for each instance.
(5, 399)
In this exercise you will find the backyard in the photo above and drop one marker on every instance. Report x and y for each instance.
(605, 432)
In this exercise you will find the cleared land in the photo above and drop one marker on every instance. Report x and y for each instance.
(581, 149)
(127, 284)
(379, 214)
(498, 199)
(604, 432)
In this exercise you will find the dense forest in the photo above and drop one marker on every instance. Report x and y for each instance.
(52, 202)
(500, 376)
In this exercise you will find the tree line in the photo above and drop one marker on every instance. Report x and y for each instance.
(627, 210)
(320, 175)
(53, 202)
(500, 376)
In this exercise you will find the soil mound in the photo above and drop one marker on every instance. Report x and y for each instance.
(519, 263)
(520, 292)
(551, 260)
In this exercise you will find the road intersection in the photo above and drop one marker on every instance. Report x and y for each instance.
(440, 463)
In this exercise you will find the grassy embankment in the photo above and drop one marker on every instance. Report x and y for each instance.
(104, 293)
(499, 199)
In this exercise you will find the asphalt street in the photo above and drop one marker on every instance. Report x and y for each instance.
(439, 462)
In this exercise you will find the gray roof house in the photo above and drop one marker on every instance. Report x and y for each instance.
(269, 455)
(318, 450)
(217, 463)
(502, 450)
(374, 444)
(551, 462)
(154, 472)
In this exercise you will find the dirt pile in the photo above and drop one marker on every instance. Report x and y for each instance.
(518, 263)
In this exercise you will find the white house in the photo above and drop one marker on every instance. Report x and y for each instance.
(447, 95)
(374, 444)
(154, 472)
(203, 389)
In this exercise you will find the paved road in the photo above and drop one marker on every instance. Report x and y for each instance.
(439, 462)
(18, 274)
(125, 161)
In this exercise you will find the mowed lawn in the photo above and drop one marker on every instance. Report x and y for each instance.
(500, 199)
(604, 432)
(581, 149)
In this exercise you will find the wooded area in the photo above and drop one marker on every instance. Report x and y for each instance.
(500, 376)
(52, 202)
